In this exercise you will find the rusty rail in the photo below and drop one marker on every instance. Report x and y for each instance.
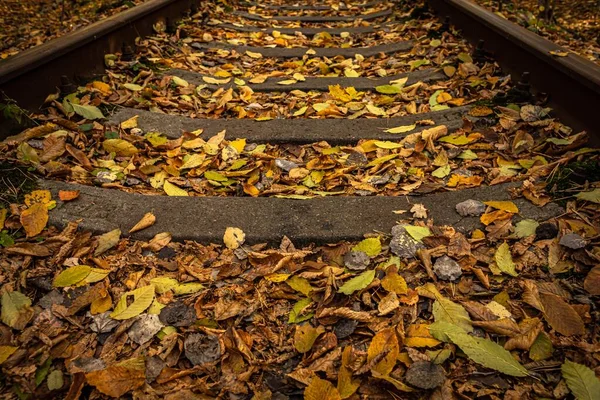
(30, 76)
(572, 82)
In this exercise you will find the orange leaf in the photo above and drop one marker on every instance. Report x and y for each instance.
(119, 379)
(68, 195)
(385, 341)
(34, 219)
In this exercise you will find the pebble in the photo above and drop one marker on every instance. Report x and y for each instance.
(470, 208)
(402, 244)
(285, 165)
(356, 260)
(447, 269)
(572, 241)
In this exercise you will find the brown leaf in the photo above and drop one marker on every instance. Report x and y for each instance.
(147, 220)
(561, 316)
(34, 219)
(531, 295)
(54, 147)
(530, 329)
(503, 326)
(346, 385)
(305, 337)
(592, 281)
(79, 156)
(119, 379)
(29, 249)
(345, 312)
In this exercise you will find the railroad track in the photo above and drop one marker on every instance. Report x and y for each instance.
(312, 122)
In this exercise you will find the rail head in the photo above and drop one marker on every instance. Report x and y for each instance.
(580, 69)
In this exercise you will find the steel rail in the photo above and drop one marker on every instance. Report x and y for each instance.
(572, 82)
(30, 76)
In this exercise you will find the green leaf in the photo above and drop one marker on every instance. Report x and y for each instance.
(132, 86)
(142, 298)
(581, 380)
(6, 240)
(215, 176)
(542, 348)
(504, 260)
(72, 276)
(417, 232)
(441, 172)
(388, 89)
(439, 330)
(156, 139)
(445, 310)
(464, 57)
(299, 284)
(487, 353)
(467, 155)
(16, 309)
(55, 380)
(42, 372)
(526, 228)
(593, 196)
(88, 112)
(433, 98)
(370, 246)
(179, 81)
(358, 282)
(296, 315)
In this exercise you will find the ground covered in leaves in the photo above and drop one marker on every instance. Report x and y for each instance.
(423, 309)
(575, 24)
(508, 311)
(29, 23)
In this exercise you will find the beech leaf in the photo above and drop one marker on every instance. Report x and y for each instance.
(357, 283)
(504, 260)
(581, 380)
(142, 298)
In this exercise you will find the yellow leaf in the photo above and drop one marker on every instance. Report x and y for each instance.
(300, 284)
(38, 196)
(142, 298)
(163, 284)
(385, 341)
(401, 129)
(320, 389)
(5, 352)
(507, 206)
(418, 335)
(179, 81)
(95, 275)
(388, 145)
(350, 73)
(287, 82)
(214, 81)
(147, 220)
(504, 260)
(130, 123)
(193, 161)
(187, 288)
(101, 304)
(277, 277)
(299, 77)
(107, 241)
(173, 190)
(394, 282)
(120, 147)
(71, 276)
(346, 385)
(234, 238)
(101, 86)
(375, 110)
(34, 219)
(253, 55)
(259, 79)
(305, 337)
(238, 145)
(300, 111)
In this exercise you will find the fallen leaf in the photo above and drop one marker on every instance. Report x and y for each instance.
(173, 190)
(581, 380)
(142, 298)
(320, 389)
(359, 282)
(107, 241)
(504, 260)
(234, 238)
(68, 195)
(305, 337)
(561, 316)
(147, 220)
(118, 379)
(34, 219)
(385, 341)
(16, 310)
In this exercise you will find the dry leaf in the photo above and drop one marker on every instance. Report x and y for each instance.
(147, 220)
